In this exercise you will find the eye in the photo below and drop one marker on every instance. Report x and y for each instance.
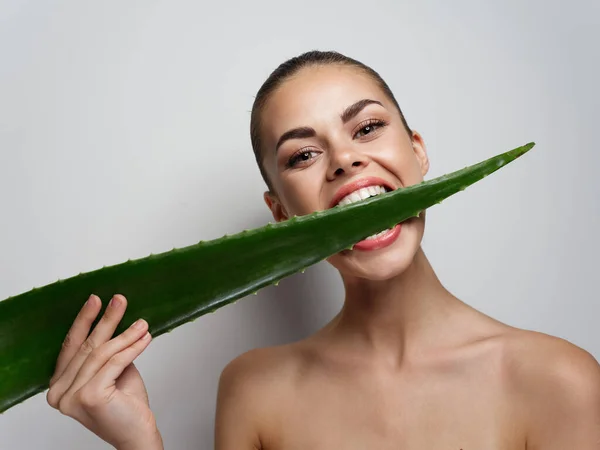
(369, 127)
(301, 156)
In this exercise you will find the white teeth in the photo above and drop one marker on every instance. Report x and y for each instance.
(355, 196)
(375, 236)
(362, 194)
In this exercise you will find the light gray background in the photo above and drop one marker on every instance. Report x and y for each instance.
(124, 131)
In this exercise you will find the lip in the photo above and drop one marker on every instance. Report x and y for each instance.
(381, 242)
(358, 184)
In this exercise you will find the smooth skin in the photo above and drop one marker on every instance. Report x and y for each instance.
(404, 365)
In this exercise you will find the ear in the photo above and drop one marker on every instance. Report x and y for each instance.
(420, 152)
(274, 204)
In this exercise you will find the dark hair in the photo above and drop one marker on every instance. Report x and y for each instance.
(291, 67)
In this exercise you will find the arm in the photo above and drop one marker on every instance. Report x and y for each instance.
(236, 426)
(154, 442)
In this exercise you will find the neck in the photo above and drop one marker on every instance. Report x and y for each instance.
(396, 317)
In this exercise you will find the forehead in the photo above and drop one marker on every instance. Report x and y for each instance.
(316, 95)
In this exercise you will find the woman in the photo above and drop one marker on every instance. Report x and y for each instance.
(405, 364)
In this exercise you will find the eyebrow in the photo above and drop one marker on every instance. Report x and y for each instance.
(352, 111)
(307, 132)
(296, 133)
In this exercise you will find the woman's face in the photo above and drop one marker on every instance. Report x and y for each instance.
(327, 132)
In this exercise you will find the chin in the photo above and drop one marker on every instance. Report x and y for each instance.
(383, 263)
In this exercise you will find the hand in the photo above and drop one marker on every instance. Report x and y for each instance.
(96, 383)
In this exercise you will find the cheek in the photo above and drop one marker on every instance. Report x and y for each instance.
(300, 196)
(413, 172)
(403, 164)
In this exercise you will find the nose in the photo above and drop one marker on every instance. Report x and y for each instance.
(345, 161)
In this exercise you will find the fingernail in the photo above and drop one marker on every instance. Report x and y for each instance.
(115, 301)
(139, 324)
(89, 301)
(146, 336)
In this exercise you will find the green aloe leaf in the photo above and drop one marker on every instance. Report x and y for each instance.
(178, 286)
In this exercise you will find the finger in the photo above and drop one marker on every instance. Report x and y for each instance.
(109, 321)
(101, 333)
(77, 334)
(100, 356)
(114, 367)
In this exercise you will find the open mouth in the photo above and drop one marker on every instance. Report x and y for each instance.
(363, 194)
(362, 190)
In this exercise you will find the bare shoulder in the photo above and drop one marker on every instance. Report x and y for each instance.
(557, 385)
(251, 388)
(260, 368)
(538, 362)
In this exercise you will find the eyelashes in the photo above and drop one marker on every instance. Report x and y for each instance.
(370, 126)
(364, 130)
(299, 156)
